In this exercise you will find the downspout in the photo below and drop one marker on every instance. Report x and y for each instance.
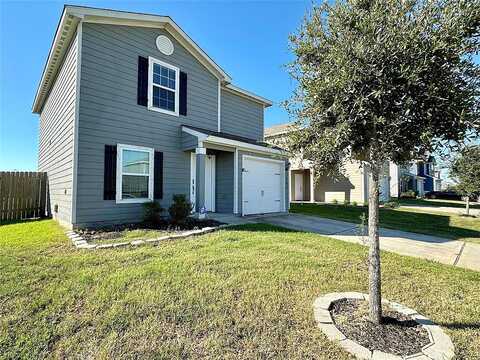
(219, 106)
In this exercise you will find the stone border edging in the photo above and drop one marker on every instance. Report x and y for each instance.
(440, 347)
(80, 243)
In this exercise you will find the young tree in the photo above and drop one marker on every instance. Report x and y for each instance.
(383, 80)
(465, 169)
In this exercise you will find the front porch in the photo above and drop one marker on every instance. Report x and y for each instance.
(212, 180)
(302, 185)
(414, 183)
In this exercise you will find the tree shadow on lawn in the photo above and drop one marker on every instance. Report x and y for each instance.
(434, 204)
(425, 223)
(461, 326)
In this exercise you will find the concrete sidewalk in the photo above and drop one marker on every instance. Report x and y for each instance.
(446, 251)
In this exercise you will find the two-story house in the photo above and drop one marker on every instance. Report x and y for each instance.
(421, 176)
(133, 110)
(351, 186)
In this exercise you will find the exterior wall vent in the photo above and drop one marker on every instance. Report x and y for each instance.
(165, 45)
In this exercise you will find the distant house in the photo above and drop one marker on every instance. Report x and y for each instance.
(421, 176)
(133, 110)
(351, 186)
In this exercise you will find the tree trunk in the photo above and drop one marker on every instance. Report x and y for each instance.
(374, 281)
(467, 205)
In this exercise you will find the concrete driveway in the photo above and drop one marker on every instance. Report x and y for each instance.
(445, 251)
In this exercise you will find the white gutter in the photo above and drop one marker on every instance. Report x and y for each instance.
(219, 106)
(247, 94)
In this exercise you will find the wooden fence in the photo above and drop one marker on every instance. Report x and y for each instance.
(23, 195)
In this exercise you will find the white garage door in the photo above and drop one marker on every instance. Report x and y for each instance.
(262, 185)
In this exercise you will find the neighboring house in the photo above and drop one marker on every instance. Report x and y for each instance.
(351, 186)
(421, 176)
(132, 110)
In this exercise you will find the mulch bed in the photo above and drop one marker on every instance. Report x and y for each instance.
(116, 231)
(398, 334)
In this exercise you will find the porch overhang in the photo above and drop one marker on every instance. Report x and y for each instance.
(193, 137)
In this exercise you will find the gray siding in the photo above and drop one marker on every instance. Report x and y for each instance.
(109, 114)
(241, 116)
(56, 140)
(224, 181)
(189, 142)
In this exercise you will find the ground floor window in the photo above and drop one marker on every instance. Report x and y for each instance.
(134, 174)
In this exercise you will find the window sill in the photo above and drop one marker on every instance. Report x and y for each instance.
(168, 112)
(133, 201)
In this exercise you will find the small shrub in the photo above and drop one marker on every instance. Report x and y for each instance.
(354, 203)
(180, 209)
(335, 201)
(391, 205)
(346, 202)
(151, 212)
(409, 194)
(365, 203)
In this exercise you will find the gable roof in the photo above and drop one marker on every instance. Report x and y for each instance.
(275, 130)
(247, 94)
(66, 30)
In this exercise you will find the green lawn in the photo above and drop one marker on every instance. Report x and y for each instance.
(242, 293)
(437, 203)
(441, 224)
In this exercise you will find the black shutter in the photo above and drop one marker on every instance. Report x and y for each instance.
(142, 84)
(183, 94)
(110, 172)
(158, 175)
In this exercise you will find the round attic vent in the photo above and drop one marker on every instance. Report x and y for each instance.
(164, 44)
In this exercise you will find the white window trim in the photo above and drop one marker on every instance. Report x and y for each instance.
(150, 106)
(151, 152)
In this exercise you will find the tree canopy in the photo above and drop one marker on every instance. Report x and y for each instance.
(384, 80)
(465, 169)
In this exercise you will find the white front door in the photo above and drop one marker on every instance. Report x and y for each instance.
(210, 182)
(298, 187)
(263, 185)
(420, 187)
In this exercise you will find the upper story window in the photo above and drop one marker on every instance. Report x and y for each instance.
(163, 85)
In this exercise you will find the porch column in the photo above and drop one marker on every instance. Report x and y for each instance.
(312, 185)
(290, 185)
(235, 182)
(200, 154)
